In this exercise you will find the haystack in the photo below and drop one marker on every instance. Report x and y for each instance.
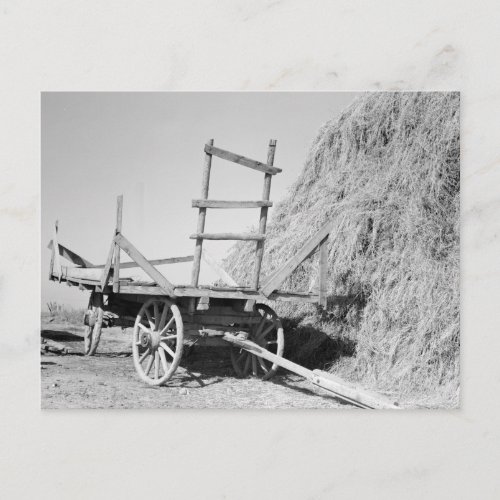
(387, 172)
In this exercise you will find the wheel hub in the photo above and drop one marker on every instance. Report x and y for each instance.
(145, 339)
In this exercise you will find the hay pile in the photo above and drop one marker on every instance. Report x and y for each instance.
(387, 172)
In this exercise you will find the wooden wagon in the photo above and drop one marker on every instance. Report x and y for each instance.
(165, 316)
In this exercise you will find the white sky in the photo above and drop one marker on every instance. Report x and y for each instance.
(149, 146)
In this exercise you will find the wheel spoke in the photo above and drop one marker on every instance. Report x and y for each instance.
(247, 365)
(156, 310)
(144, 355)
(150, 319)
(262, 364)
(241, 357)
(263, 334)
(143, 328)
(168, 325)
(157, 365)
(163, 317)
(169, 337)
(149, 365)
(166, 348)
(262, 322)
(163, 360)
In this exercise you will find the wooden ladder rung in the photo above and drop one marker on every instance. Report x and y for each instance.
(241, 160)
(231, 204)
(228, 236)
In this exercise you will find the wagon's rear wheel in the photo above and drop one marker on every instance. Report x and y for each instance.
(268, 333)
(93, 328)
(157, 341)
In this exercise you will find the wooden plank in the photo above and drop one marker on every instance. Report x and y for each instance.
(71, 256)
(266, 192)
(51, 265)
(241, 160)
(154, 262)
(323, 271)
(184, 291)
(221, 272)
(150, 270)
(341, 389)
(206, 319)
(57, 260)
(107, 266)
(228, 236)
(195, 273)
(116, 267)
(231, 204)
(291, 264)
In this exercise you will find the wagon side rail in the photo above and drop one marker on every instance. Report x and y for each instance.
(317, 242)
(120, 242)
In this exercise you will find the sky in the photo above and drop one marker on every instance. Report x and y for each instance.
(149, 147)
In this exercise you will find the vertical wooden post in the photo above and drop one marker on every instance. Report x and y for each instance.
(51, 265)
(323, 271)
(259, 252)
(118, 230)
(55, 249)
(195, 275)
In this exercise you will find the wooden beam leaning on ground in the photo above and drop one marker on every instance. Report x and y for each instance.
(282, 273)
(340, 388)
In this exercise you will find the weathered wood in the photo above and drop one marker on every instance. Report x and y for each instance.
(193, 292)
(241, 160)
(207, 318)
(116, 267)
(282, 273)
(337, 386)
(195, 273)
(221, 272)
(49, 345)
(154, 262)
(51, 265)
(71, 256)
(323, 271)
(231, 204)
(85, 273)
(266, 192)
(228, 236)
(150, 270)
(203, 304)
(57, 260)
(107, 266)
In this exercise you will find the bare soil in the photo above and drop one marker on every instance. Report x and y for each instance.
(205, 379)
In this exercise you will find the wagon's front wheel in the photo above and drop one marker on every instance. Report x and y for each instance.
(157, 341)
(267, 333)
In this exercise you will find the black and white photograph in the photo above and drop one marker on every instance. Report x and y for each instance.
(250, 250)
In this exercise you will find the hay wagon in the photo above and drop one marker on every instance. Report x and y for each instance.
(165, 317)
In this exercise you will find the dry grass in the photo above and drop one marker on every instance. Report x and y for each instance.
(387, 171)
(60, 313)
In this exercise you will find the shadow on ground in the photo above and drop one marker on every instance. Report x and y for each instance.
(61, 336)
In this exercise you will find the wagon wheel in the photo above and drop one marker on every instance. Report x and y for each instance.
(268, 333)
(157, 341)
(92, 333)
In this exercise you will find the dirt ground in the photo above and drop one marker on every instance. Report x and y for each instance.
(205, 379)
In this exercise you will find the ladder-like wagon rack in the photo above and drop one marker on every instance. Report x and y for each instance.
(166, 315)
